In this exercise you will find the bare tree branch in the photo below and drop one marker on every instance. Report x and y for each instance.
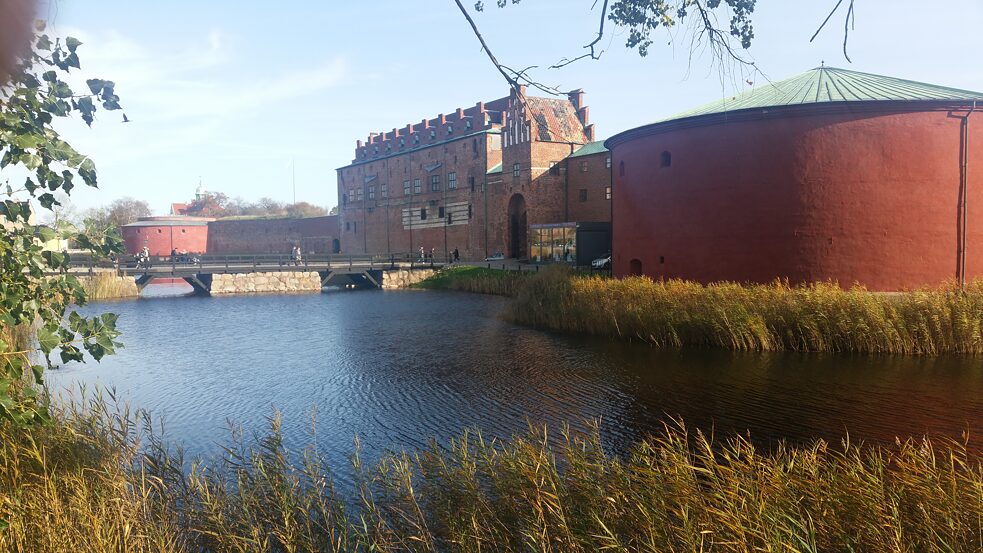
(847, 26)
(592, 54)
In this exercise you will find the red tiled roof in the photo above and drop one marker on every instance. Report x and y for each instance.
(555, 120)
(179, 209)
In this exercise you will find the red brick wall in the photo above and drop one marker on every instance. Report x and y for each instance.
(260, 236)
(392, 224)
(596, 181)
(868, 197)
(162, 239)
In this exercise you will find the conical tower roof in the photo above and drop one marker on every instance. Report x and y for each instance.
(831, 84)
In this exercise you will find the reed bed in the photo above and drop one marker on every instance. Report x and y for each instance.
(477, 280)
(818, 317)
(84, 484)
(107, 285)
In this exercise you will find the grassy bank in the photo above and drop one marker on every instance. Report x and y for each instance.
(477, 280)
(771, 317)
(80, 485)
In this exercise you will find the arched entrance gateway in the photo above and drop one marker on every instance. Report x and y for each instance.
(518, 226)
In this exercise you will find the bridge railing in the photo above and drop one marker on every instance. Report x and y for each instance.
(217, 262)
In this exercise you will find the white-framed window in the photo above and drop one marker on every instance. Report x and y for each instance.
(452, 181)
(372, 192)
(384, 190)
(467, 124)
(607, 162)
(450, 129)
(433, 133)
(406, 188)
(358, 194)
(583, 166)
(416, 186)
(435, 183)
(607, 193)
(515, 169)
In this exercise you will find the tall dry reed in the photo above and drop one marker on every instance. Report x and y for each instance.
(818, 317)
(105, 285)
(84, 485)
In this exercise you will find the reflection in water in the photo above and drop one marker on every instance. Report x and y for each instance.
(396, 368)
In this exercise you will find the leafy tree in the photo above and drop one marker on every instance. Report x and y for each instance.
(36, 290)
(124, 211)
(304, 209)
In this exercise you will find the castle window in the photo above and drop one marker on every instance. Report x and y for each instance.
(358, 194)
(416, 186)
(450, 218)
(435, 183)
(406, 188)
(621, 168)
(583, 166)
(372, 192)
(433, 134)
(348, 226)
(607, 193)
(583, 194)
(515, 169)
(375, 150)
(440, 212)
(389, 148)
(471, 182)
(474, 146)
(423, 214)
(666, 159)
(384, 190)
(452, 181)
(554, 168)
(450, 129)
(470, 211)
(607, 162)
(416, 139)
(467, 124)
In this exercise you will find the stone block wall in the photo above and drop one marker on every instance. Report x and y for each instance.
(404, 278)
(268, 283)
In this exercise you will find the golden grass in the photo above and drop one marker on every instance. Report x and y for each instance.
(107, 286)
(774, 317)
(84, 485)
(478, 280)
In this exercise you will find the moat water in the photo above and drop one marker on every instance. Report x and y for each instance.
(397, 368)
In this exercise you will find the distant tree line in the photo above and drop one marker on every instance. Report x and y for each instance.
(217, 204)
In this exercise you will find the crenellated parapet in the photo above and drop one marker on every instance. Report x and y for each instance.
(463, 121)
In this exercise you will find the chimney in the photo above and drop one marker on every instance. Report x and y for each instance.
(426, 123)
(584, 115)
(442, 118)
(372, 136)
(395, 132)
(460, 114)
(480, 106)
(589, 131)
(577, 98)
(358, 143)
(409, 129)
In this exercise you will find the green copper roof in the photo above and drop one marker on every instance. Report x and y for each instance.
(495, 169)
(829, 84)
(588, 149)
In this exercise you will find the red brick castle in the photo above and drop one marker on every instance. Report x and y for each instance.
(476, 180)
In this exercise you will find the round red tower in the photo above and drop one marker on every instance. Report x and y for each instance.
(830, 175)
(163, 234)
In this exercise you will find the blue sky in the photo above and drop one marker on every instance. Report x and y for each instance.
(230, 92)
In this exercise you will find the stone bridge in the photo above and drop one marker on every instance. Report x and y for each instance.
(239, 274)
